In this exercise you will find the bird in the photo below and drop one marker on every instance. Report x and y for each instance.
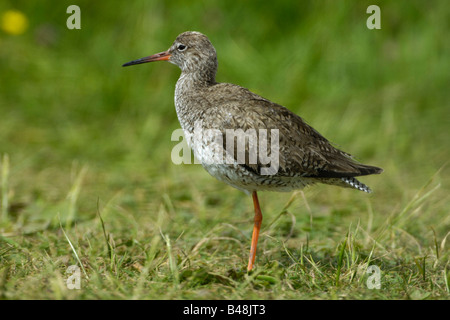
(248, 141)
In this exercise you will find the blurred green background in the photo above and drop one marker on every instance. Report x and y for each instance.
(68, 109)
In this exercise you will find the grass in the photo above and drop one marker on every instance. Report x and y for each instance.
(86, 178)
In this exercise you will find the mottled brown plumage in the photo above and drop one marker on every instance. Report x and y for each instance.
(305, 156)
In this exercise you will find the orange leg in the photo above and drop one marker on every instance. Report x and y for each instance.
(256, 229)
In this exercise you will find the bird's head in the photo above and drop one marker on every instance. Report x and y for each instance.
(191, 51)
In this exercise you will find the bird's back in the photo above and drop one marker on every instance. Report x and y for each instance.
(304, 155)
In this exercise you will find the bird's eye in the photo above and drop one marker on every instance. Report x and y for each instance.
(181, 47)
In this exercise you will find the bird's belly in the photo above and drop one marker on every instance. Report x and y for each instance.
(239, 177)
(223, 166)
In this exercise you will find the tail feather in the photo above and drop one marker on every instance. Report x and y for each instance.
(366, 170)
(346, 182)
(354, 183)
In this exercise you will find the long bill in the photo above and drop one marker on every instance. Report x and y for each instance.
(162, 56)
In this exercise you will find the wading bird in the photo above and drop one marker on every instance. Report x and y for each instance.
(304, 156)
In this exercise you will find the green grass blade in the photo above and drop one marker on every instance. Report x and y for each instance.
(73, 250)
(4, 184)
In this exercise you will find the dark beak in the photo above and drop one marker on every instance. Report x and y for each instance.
(162, 56)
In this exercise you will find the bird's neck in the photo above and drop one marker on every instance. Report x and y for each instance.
(198, 78)
(188, 93)
(191, 84)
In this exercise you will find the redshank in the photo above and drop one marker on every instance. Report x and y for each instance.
(299, 155)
